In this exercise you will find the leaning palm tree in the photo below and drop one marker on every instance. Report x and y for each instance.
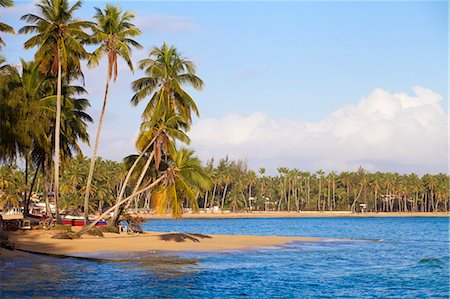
(184, 176)
(157, 137)
(59, 38)
(5, 27)
(113, 32)
(166, 72)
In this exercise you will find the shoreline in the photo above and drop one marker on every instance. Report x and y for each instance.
(41, 241)
(285, 214)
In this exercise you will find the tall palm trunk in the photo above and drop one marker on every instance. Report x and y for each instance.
(329, 195)
(27, 202)
(57, 137)
(46, 175)
(115, 217)
(206, 201)
(94, 154)
(223, 196)
(333, 205)
(25, 193)
(141, 177)
(320, 194)
(213, 196)
(375, 201)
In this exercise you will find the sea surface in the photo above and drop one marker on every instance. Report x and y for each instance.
(384, 258)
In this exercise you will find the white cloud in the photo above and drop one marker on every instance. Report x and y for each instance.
(383, 132)
(161, 23)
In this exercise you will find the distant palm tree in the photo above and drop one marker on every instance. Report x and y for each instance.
(113, 32)
(59, 38)
(166, 72)
(5, 27)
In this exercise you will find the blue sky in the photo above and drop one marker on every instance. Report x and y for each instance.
(287, 61)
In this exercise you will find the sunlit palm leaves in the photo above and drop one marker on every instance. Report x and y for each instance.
(166, 74)
(182, 179)
(5, 27)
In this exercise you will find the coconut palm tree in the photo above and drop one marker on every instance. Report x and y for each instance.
(156, 139)
(113, 32)
(59, 38)
(5, 27)
(181, 179)
(166, 73)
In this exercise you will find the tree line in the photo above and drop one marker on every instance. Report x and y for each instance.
(237, 188)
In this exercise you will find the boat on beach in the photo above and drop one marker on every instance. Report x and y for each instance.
(71, 220)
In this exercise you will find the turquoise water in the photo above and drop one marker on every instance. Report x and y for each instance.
(391, 258)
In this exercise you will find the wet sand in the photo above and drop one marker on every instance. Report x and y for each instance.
(41, 241)
(284, 214)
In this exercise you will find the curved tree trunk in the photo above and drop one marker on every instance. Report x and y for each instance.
(141, 177)
(115, 217)
(106, 213)
(57, 137)
(94, 154)
(356, 199)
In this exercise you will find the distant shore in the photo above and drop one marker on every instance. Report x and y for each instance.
(285, 214)
(41, 241)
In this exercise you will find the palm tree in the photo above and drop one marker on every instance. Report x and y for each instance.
(5, 27)
(113, 31)
(166, 72)
(250, 181)
(183, 177)
(59, 38)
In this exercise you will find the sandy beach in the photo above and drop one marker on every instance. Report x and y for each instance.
(285, 214)
(41, 241)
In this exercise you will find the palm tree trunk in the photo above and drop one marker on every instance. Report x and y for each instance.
(115, 217)
(329, 195)
(333, 205)
(223, 196)
(320, 191)
(213, 195)
(206, 201)
(27, 203)
(94, 154)
(375, 201)
(309, 191)
(118, 204)
(356, 199)
(46, 177)
(25, 193)
(57, 137)
(141, 177)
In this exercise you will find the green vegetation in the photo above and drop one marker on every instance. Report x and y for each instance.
(43, 121)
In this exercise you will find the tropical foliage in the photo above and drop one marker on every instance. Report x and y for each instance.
(43, 122)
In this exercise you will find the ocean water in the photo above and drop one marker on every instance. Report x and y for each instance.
(385, 258)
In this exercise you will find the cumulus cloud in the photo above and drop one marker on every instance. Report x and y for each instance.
(382, 132)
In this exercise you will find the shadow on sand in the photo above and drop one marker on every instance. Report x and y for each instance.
(180, 237)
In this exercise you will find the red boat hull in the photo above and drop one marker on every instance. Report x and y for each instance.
(78, 222)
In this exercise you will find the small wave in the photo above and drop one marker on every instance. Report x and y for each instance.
(434, 262)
